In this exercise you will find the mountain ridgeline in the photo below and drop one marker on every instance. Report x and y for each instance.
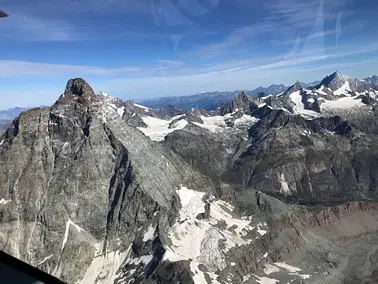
(275, 187)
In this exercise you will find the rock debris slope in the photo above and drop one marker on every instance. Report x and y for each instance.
(99, 190)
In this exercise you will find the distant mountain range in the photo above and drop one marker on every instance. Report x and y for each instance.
(211, 100)
(7, 116)
(11, 113)
(372, 80)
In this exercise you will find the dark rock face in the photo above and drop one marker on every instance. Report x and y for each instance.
(240, 102)
(199, 149)
(75, 188)
(167, 112)
(294, 88)
(319, 159)
(78, 87)
(78, 90)
(336, 80)
(373, 80)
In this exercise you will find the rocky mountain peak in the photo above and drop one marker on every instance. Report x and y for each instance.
(294, 88)
(240, 102)
(77, 90)
(241, 97)
(334, 81)
(79, 87)
(372, 80)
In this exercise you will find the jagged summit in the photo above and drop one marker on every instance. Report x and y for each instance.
(77, 90)
(240, 102)
(334, 80)
(372, 80)
(294, 88)
(337, 81)
(79, 87)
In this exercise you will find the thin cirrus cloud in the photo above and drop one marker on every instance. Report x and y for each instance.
(282, 23)
(31, 28)
(172, 68)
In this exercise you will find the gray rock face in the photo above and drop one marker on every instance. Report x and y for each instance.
(75, 188)
(337, 80)
(373, 80)
(240, 102)
(319, 159)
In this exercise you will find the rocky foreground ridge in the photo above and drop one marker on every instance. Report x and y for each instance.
(261, 190)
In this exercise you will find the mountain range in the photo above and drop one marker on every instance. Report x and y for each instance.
(260, 189)
(212, 100)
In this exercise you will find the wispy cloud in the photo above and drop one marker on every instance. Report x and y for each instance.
(30, 28)
(12, 68)
(281, 22)
(239, 37)
(172, 68)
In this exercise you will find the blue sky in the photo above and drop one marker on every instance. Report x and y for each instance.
(149, 48)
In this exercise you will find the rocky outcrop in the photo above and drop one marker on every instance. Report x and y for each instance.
(336, 80)
(79, 186)
(330, 246)
(241, 102)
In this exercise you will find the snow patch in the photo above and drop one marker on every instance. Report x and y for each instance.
(321, 91)
(261, 231)
(104, 268)
(2, 141)
(287, 267)
(284, 186)
(158, 128)
(45, 259)
(344, 90)
(199, 240)
(278, 266)
(66, 233)
(217, 124)
(342, 103)
(150, 233)
(299, 107)
(246, 119)
(265, 280)
(261, 105)
(214, 123)
(265, 97)
(120, 111)
(180, 124)
(142, 107)
(269, 269)
(145, 259)
(5, 201)
(306, 132)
